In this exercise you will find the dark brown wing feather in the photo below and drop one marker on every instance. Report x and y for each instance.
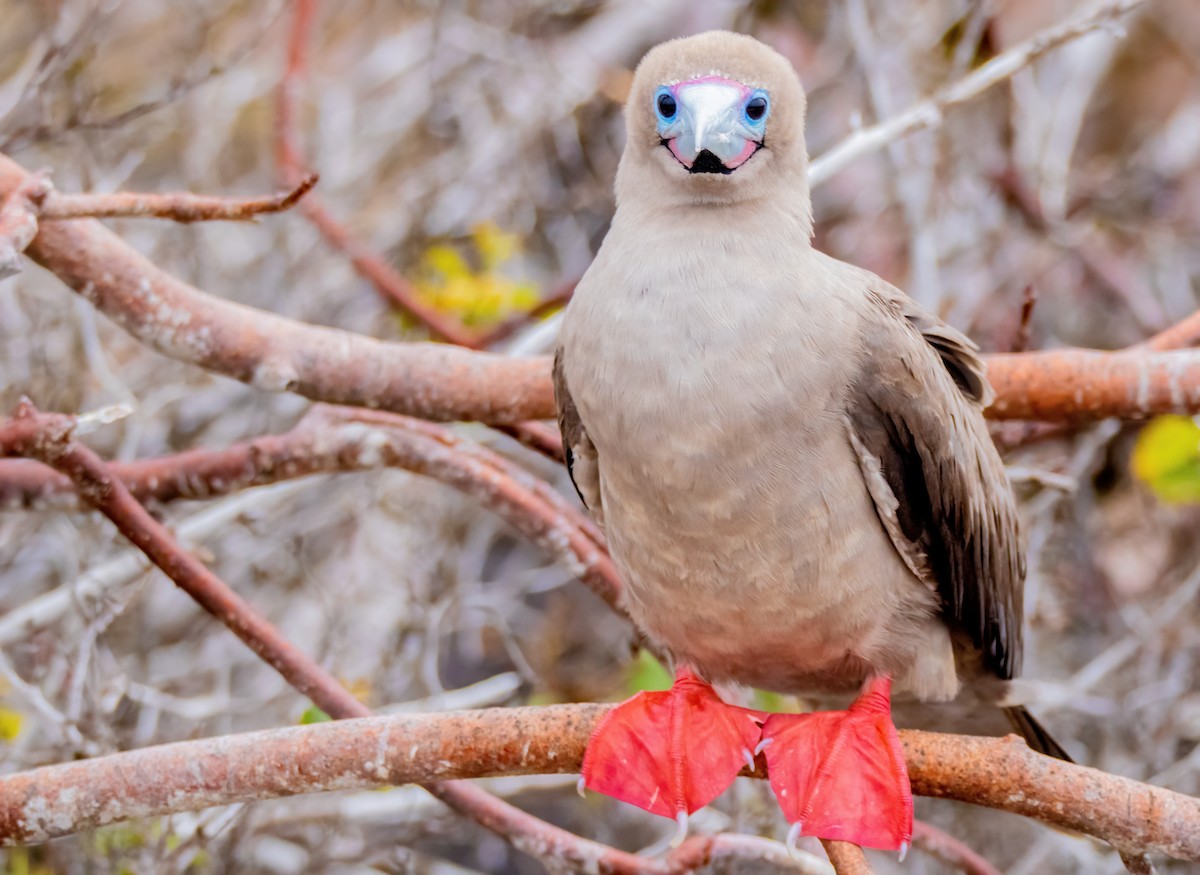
(1035, 734)
(578, 448)
(917, 410)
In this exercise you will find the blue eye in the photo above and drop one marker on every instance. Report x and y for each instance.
(756, 108)
(664, 105)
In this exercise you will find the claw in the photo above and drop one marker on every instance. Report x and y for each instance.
(903, 851)
(581, 787)
(681, 829)
(793, 837)
(748, 757)
(762, 745)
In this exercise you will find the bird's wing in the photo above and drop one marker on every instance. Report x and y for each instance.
(939, 487)
(580, 452)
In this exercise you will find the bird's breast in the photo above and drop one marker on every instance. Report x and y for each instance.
(734, 505)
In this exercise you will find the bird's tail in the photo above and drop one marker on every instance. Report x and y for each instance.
(1035, 734)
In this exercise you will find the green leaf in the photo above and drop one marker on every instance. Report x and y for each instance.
(313, 714)
(647, 673)
(776, 703)
(1166, 458)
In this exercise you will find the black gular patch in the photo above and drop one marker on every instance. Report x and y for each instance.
(707, 162)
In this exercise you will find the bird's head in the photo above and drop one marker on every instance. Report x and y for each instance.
(714, 118)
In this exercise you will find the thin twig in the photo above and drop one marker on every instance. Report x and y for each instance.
(538, 436)
(333, 440)
(944, 847)
(176, 206)
(1024, 323)
(48, 438)
(929, 112)
(554, 301)
(290, 161)
(1136, 863)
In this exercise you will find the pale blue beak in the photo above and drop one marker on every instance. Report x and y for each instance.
(725, 119)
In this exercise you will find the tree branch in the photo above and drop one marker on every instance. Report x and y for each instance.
(847, 859)
(19, 221)
(433, 381)
(1077, 385)
(289, 159)
(179, 206)
(331, 440)
(949, 850)
(999, 773)
(48, 438)
(929, 112)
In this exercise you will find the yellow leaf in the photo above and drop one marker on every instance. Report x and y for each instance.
(10, 724)
(447, 261)
(494, 245)
(1166, 458)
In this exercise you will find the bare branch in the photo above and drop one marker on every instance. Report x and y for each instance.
(19, 221)
(340, 440)
(177, 206)
(1181, 335)
(1076, 385)
(928, 113)
(432, 381)
(1000, 773)
(949, 850)
(847, 859)
(289, 158)
(47, 437)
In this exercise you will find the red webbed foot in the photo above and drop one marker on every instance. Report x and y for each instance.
(671, 752)
(841, 774)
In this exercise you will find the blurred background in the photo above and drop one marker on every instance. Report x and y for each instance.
(473, 145)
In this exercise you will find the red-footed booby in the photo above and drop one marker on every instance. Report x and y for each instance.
(789, 459)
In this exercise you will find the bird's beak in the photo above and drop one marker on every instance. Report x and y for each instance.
(710, 132)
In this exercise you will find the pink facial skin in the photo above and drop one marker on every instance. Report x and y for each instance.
(741, 158)
(675, 151)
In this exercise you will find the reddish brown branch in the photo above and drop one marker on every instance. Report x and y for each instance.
(1181, 335)
(19, 220)
(1000, 773)
(437, 382)
(554, 301)
(289, 159)
(177, 206)
(341, 440)
(432, 381)
(949, 850)
(1075, 385)
(47, 437)
(847, 859)
(538, 436)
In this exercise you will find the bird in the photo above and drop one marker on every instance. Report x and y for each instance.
(789, 460)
